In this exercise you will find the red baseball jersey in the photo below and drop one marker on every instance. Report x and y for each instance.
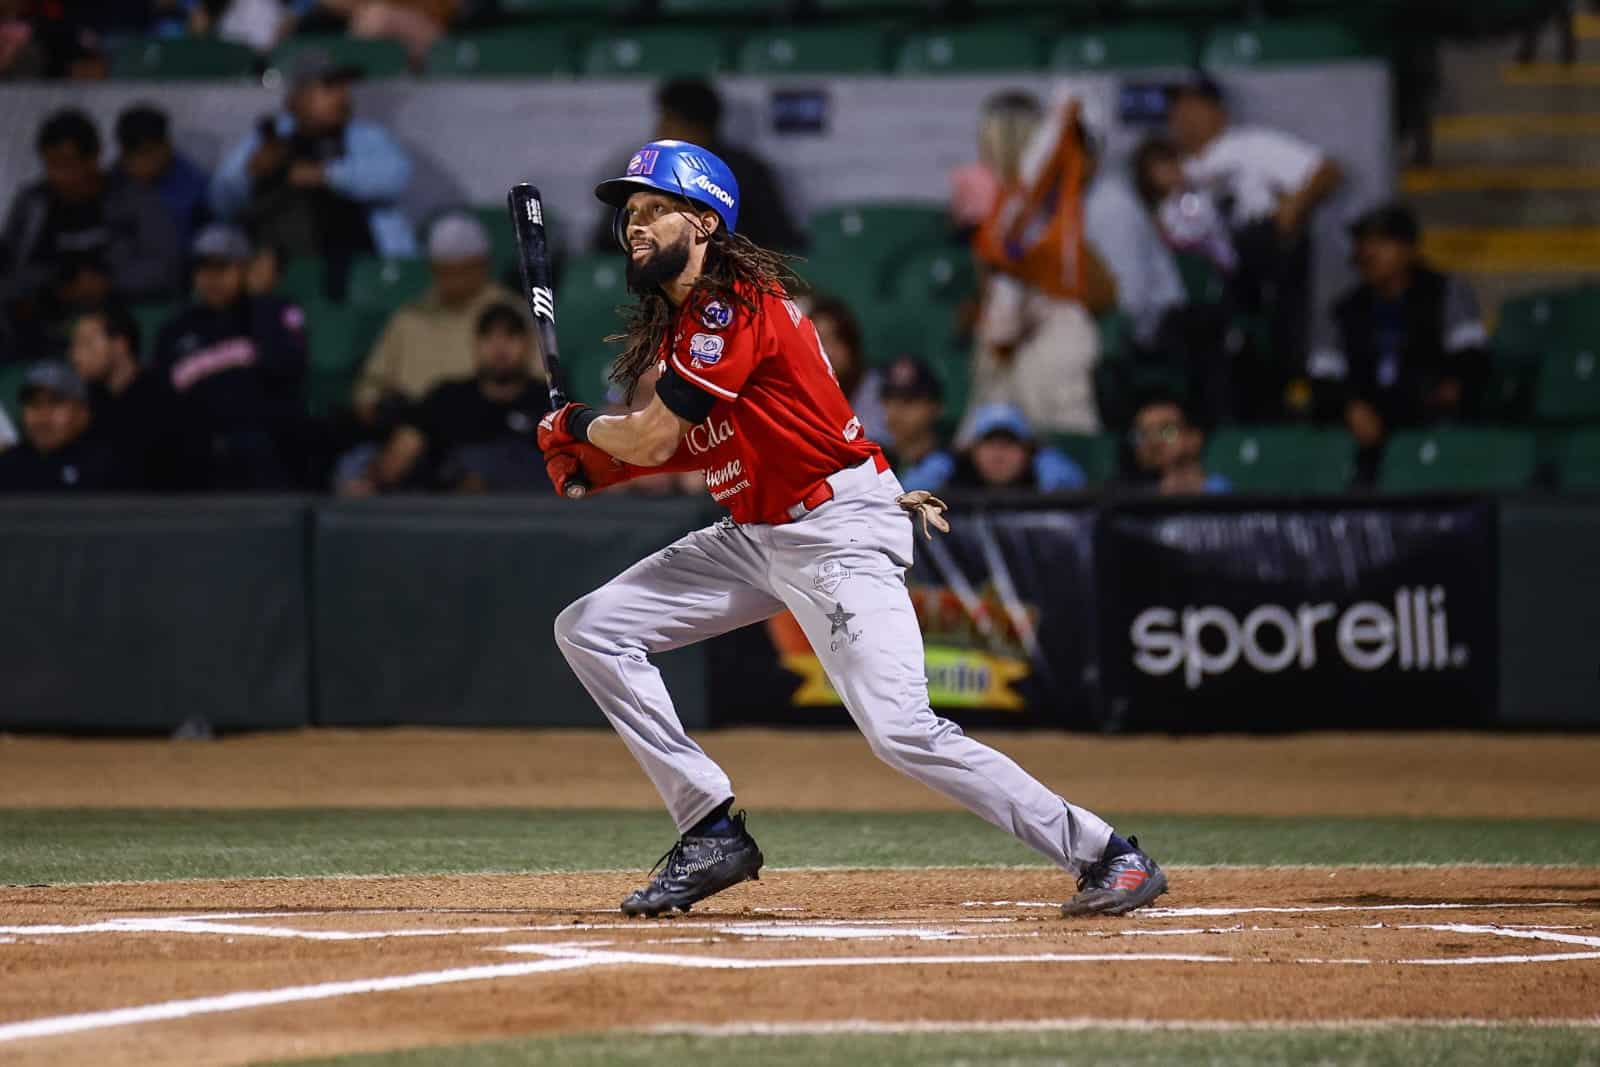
(780, 424)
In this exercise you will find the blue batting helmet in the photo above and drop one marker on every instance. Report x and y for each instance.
(678, 168)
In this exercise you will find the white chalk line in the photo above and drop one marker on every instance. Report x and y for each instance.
(569, 956)
(1083, 1023)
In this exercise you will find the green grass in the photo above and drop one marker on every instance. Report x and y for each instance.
(80, 845)
(1400, 1047)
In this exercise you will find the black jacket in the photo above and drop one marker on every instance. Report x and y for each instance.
(86, 465)
(1396, 354)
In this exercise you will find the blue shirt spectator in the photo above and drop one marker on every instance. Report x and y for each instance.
(1003, 453)
(146, 157)
(312, 180)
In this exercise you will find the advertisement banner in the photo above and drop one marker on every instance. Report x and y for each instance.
(1226, 617)
(1006, 607)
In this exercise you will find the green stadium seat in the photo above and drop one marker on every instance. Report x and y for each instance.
(1458, 459)
(855, 247)
(1283, 459)
(1179, 8)
(813, 51)
(183, 59)
(524, 52)
(933, 274)
(1266, 43)
(374, 58)
(340, 336)
(953, 367)
(889, 330)
(1123, 47)
(869, 7)
(1579, 465)
(1099, 454)
(1116, 335)
(151, 317)
(502, 241)
(1569, 386)
(655, 53)
(387, 283)
(588, 291)
(723, 8)
(545, 9)
(1202, 281)
(11, 375)
(960, 51)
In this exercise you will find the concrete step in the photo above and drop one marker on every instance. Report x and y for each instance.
(1506, 207)
(1487, 178)
(1508, 138)
(1573, 251)
(1483, 76)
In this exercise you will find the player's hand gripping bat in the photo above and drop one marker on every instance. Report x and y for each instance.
(527, 222)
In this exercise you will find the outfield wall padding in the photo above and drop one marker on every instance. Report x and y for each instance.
(139, 614)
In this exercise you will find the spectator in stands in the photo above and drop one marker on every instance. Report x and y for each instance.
(689, 109)
(73, 238)
(432, 339)
(148, 159)
(237, 364)
(1036, 338)
(1002, 453)
(22, 56)
(1267, 183)
(57, 453)
(1005, 126)
(265, 271)
(1188, 218)
(840, 334)
(1167, 447)
(314, 181)
(1413, 347)
(1123, 234)
(133, 407)
(474, 433)
(912, 405)
(8, 432)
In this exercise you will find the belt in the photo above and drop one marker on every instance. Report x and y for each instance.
(823, 491)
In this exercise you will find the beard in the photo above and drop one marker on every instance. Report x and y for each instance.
(658, 268)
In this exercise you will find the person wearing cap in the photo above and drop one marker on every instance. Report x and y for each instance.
(1267, 183)
(312, 179)
(1002, 452)
(74, 237)
(839, 332)
(146, 157)
(237, 364)
(1412, 344)
(57, 453)
(913, 402)
(430, 340)
(690, 109)
(474, 432)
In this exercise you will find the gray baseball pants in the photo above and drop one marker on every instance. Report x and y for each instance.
(841, 570)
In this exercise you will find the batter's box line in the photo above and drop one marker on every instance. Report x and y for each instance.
(759, 1028)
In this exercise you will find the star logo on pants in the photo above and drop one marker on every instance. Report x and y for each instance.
(840, 619)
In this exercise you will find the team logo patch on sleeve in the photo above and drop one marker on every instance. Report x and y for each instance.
(706, 348)
(716, 315)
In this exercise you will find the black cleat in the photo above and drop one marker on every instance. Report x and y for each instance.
(695, 868)
(1118, 885)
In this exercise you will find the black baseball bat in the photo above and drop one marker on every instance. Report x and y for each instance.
(533, 256)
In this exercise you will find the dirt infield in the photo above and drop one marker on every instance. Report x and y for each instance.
(1305, 774)
(327, 966)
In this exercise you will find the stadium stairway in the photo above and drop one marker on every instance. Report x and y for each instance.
(1512, 199)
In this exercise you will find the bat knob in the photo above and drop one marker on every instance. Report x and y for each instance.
(576, 492)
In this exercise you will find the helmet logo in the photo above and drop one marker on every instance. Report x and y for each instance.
(717, 191)
(643, 162)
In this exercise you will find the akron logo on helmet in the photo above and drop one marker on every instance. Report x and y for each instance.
(716, 315)
(704, 183)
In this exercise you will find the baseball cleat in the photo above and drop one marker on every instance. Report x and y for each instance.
(1118, 885)
(695, 868)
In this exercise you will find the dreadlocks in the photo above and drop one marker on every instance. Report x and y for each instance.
(731, 258)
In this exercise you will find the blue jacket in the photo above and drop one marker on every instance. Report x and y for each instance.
(374, 170)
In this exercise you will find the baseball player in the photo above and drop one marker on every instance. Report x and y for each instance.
(817, 524)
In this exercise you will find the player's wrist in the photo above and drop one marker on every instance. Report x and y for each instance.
(579, 420)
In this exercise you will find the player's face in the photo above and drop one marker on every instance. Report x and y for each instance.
(91, 349)
(1001, 460)
(52, 421)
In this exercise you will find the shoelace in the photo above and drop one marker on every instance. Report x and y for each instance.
(667, 858)
(1100, 870)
